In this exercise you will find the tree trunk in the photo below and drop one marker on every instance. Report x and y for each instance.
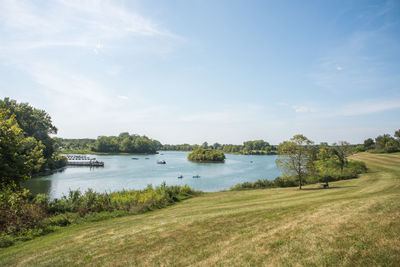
(300, 182)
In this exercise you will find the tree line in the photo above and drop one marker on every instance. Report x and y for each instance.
(123, 143)
(256, 147)
(381, 144)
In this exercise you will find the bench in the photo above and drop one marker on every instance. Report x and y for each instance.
(325, 185)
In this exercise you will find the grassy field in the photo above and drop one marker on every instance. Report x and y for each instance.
(354, 223)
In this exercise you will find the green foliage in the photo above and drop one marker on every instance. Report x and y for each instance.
(33, 122)
(124, 143)
(384, 143)
(369, 143)
(23, 216)
(20, 156)
(328, 171)
(36, 126)
(206, 155)
(294, 157)
(18, 212)
(359, 148)
(382, 140)
(397, 134)
(392, 145)
(257, 147)
(341, 151)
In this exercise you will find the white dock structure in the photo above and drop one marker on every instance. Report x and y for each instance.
(82, 160)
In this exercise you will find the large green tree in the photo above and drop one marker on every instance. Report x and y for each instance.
(19, 155)
(33, 122)
(293, 157)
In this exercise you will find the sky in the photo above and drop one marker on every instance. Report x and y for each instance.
(190, 71)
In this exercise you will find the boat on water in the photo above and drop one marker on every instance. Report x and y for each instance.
(161, 162)
(180, 176)
(135, 158)
(196, 176)
(147, 158)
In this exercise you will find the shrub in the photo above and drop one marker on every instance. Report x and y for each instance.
(22, 216)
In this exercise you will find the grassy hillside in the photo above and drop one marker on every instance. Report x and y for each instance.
(356, 222)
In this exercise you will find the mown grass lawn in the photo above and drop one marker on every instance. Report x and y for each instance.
(354, 223)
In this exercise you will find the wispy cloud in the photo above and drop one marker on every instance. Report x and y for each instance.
(227, 116)
(72, 23)
(42, 40)
(368, 107)
(123, 97)
(303, 109)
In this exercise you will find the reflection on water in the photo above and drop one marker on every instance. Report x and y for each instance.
(122, 172)
(38, 185)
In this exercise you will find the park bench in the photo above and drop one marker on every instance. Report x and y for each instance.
(325, 185)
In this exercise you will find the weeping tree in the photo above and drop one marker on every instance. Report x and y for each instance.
(294, 156)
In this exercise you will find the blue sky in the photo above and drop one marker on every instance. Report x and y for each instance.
(216, 71)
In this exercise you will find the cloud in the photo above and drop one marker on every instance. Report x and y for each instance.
(303, 109)
(57, 45)
(123, 97)
(98, 48)
(339, 68)
(368, 107)
(74, 23)
(213, 117)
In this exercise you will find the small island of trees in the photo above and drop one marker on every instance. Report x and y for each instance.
(206, 155)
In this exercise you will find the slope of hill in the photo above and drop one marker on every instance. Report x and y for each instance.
(355, 222)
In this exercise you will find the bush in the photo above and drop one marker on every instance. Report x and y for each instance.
(359, 148)
(18, 211)
(22, 216)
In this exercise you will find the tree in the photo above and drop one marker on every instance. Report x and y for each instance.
(397, 134)
(313, 157)
(126, 145)
(341, 151)
(392, 146)
(19, 155)
(382, 140)
(293, 157)
(369, 143)
(204, 145)
(34, 122)
(216, 146)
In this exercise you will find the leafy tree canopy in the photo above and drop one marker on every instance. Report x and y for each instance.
(33, 122)
(19, 155)
(293, 157)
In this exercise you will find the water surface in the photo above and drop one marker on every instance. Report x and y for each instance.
(122, 172)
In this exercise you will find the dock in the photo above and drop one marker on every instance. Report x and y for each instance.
(81, 160)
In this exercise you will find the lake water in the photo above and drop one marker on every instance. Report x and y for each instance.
(122, 172)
